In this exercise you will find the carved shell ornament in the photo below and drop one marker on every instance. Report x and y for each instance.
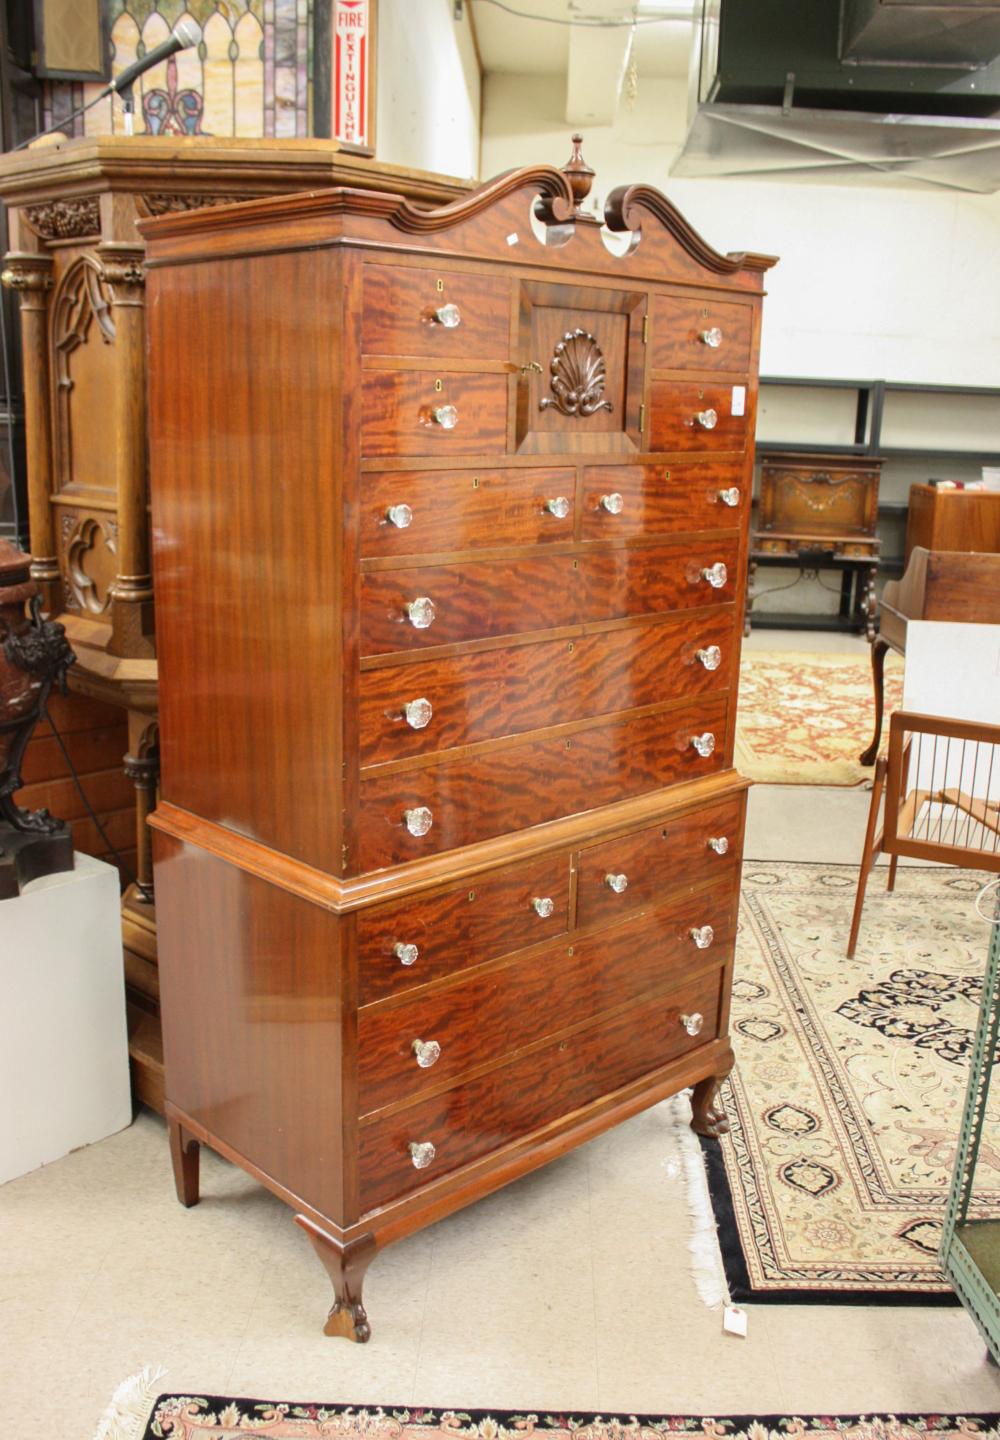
(578, 376)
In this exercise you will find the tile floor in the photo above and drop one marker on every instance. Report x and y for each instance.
(570, 1289)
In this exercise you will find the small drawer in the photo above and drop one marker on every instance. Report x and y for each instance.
(691, 334)
(434, 313)
(406, 512)
(620, 501)
(427, 412)
(439, 1037)
(424, 937)
(437, 1136)
(688, 416)
(459, 801)
(436, 605)
(618, 876)
(433, 705)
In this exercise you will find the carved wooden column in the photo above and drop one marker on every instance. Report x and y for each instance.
(132, 593)
(31, 276)
(143, 769)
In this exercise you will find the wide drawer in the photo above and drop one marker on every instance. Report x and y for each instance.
(540, 592)
(482, 1115)
(459, 801)
(437, 704)
(434, 313)
(405, 512)
(460, 926)
(404, 412)
(622, 501)
(690, 416)
(439, 1037)
(620, 876)
(689, 334)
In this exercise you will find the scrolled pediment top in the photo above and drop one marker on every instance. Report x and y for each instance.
(627, 206)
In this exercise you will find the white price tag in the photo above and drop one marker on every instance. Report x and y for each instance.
(739, 400)
(513, 238)
(734, 1321)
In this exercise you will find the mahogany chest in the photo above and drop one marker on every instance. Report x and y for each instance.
(449, 843)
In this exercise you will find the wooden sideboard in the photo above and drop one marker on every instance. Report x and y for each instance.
(448, 845)
(76, 263)
(953, 520)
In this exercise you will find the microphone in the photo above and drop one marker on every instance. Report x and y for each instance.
(182, 37)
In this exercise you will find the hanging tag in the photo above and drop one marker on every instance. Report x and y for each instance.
(739, 400)
(734, 1321)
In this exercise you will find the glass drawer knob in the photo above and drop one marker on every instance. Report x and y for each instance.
(543, 906)
(710, 657)
(716, 575)
(704, 744)
(447, 416)
(421, 612)
(405, 954)
(558, 506)
(427, 1052)
(422, 1154)
(693, 1023)
(703, 935)
(707, 419)
(449, 316)
(712, 338)
(417, 713)
(617, 883)
(719, 844)
(730, 496)
(399, 515)
(613, 503)
(418, 821)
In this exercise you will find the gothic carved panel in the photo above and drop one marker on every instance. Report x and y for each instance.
(65, 219)
(88, 557)
(163, 204)
(82, 335)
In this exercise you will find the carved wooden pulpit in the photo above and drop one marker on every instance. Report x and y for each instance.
(76, 262)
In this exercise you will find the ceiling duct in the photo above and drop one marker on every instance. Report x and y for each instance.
(773, 95)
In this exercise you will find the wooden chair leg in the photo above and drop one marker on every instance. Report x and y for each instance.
(891, 882)
(872, 847)
(879, 648)
(185, 1153)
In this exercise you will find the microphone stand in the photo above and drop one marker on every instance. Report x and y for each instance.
(127, 96)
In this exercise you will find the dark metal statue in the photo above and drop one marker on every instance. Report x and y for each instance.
(34, 656)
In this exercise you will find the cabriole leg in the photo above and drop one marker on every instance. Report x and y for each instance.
(707, 1115)
(346, 1266)
(185, 1152)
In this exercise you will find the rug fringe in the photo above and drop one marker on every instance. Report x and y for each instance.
(125, 1417)
(706, 1257)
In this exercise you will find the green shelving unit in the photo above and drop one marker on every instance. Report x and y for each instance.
(970, 1249)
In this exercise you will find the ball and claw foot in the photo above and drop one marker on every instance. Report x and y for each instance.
(707, 1115)
(348, 1320)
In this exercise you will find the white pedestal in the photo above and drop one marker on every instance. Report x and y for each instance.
(64, 1078)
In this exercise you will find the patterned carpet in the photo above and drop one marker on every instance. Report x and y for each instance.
(850, 1078)
(804, 719)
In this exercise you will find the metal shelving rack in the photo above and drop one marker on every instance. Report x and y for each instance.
(970, 1249)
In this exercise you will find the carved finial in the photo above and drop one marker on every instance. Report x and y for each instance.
(578, 173)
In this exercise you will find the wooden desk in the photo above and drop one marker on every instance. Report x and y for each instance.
(967, 520)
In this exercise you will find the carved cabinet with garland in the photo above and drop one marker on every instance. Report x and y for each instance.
(448, 849)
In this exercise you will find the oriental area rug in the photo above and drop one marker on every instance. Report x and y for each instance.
(181, 1417)
(846, 1100)
(804, 719)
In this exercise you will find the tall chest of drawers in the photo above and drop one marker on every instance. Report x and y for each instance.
(447, 854)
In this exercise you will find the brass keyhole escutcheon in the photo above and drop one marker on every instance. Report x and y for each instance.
(472, 896)
(439, 386)
(704, 308)
(475, 482)
(440, 289)
(569, 647)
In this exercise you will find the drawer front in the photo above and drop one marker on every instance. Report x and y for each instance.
(691, 334)
(470, 1120)
(476, 797)
(507, 597)
(459, 927)
(484, 696)
(463, 509)
(434, 313)
(486, 1016)
(662, 500)
(398, 410)
(809, 500)
(654, 860)
(676, 404)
